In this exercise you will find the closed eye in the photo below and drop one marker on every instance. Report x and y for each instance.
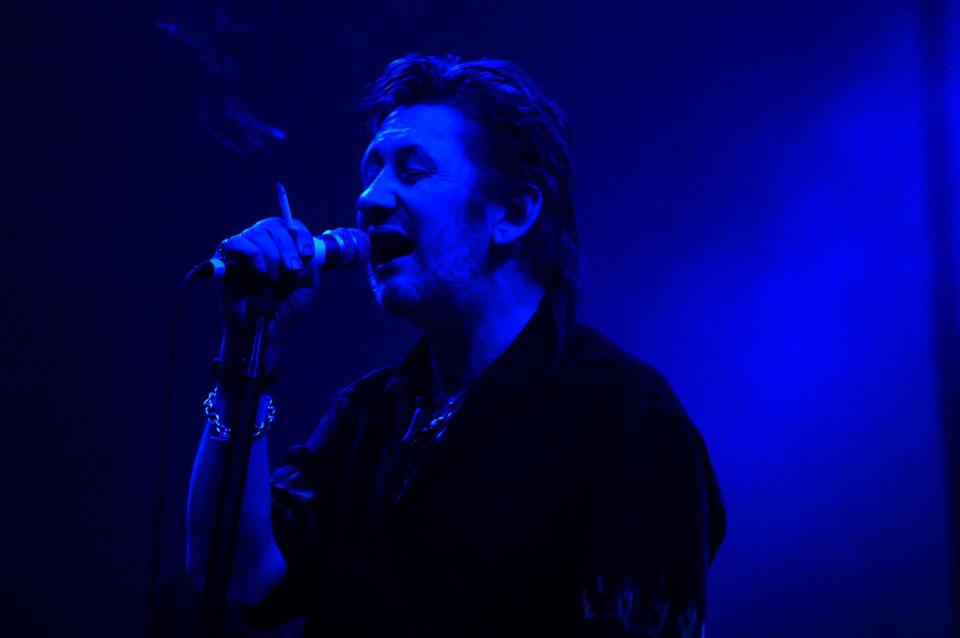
(411, 164)
(414, 163)
(412, 176)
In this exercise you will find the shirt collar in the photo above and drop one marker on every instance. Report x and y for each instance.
(529, 360)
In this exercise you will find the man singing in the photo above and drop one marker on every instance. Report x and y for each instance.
(516, 473)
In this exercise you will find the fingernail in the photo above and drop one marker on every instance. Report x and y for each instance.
(261, 265)
(293, 263)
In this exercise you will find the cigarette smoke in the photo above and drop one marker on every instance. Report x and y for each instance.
(200, 25)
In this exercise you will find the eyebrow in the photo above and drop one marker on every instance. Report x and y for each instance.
(404, 151)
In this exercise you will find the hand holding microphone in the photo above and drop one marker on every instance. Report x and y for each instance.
(278, 253)
(338, 248)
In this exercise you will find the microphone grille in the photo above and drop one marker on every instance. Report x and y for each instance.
(355, 245)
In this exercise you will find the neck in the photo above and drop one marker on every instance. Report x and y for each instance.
(463, 347)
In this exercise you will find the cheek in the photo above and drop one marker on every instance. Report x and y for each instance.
(450, 232)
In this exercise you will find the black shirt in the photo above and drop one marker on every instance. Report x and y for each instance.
(569, 494)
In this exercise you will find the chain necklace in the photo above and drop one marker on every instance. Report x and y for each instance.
(425, 431)
(421, 427)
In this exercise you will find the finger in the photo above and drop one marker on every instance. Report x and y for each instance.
(289, 255)
(265, 243)
(303, 238)
(240, 250)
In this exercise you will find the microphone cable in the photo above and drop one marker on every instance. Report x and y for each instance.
(156, 544)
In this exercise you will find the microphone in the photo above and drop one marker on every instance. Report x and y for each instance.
(337, 248)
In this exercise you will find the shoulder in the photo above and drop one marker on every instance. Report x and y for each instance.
(603, 372)
(650, 447)
(633, 411)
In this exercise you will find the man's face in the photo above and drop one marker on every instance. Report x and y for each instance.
(428, 227)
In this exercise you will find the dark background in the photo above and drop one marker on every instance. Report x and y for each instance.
(766, 201)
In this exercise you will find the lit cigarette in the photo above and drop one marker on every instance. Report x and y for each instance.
(284, 206)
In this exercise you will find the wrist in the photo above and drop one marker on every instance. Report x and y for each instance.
(230, 372)
(219, 418)
(232, 364)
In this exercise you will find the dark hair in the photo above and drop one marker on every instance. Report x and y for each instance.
(523, 138)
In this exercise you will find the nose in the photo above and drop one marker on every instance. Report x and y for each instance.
(376, 203)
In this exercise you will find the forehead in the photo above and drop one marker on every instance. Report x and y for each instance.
(437, 128)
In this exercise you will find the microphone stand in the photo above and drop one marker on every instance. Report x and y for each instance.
(245, 407)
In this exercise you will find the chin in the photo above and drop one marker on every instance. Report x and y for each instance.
(423, 298)
(402, 298)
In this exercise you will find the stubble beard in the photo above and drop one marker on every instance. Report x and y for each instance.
(436, 294)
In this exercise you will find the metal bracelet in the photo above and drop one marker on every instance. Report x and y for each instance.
(221, 431)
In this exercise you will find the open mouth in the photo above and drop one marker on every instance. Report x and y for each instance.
(387, 245)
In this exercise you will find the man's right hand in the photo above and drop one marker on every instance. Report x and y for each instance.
(266, 256)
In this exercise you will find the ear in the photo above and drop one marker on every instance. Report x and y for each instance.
(513, 220)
